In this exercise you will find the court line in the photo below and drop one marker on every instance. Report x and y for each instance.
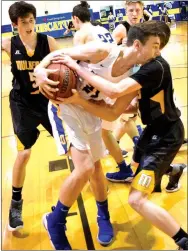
(83, 216)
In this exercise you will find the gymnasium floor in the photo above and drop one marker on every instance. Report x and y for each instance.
(41, 187)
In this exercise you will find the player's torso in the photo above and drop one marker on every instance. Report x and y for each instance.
(23, 63)
(103, 69)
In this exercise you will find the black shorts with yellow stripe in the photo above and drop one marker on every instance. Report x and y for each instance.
(27, 114)
(155, 151)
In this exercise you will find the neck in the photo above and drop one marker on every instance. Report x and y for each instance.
(85, 24)
(28, 39)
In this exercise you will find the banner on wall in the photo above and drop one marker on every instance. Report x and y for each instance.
(53, 25)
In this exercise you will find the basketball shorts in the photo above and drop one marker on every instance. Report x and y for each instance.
(58, 129)
(155, 152)
(27, 114)
(84, 130)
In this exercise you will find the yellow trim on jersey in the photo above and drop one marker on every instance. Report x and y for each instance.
(144, 181)
(20, 146)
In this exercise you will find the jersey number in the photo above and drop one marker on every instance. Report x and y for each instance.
(32, 79)
(91, 91)
(106, 38)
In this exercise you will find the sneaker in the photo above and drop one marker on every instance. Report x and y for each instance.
(15, 215)
(183, 244)
(106, 233)
(120, 177)
(175, 175)
(56, 233)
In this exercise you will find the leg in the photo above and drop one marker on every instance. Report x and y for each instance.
(24, 143)
(99, 188)
(98, 183)
(18, 177)
(112, 145)
(74, 184)
(125, 174)
(153, 213)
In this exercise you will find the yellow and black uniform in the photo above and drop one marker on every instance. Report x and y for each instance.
(28, 106)
(164, 132)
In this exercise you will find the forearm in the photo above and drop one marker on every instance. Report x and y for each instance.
(106, 87)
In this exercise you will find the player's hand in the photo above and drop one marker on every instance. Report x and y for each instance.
(74, 99)
(44, 83)
(64, 59)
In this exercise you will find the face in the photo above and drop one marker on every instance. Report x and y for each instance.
(146, 52)
(26, 25)
(134, 12)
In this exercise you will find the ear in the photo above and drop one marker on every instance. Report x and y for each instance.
(14, 25)
(137, 44)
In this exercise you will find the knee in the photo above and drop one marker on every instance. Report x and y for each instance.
(87, 169)
(136, 202)
(24, 155)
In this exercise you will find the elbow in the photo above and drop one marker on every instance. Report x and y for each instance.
(114, 93)
(113, 116)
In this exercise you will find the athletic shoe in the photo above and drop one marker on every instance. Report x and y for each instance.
(106, 233)
(124, 153)
(15, 215)
(121, 177)
(56, 233)
(183, 244)
(174, 177)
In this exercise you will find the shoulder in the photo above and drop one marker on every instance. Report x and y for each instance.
(6, 44)
(53, 45)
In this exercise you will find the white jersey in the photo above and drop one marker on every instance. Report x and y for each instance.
(103, 69)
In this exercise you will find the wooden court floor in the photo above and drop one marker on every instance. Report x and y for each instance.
(41, 187)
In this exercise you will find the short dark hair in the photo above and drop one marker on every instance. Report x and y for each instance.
(82, 11)
(143, 31)
(21, 9)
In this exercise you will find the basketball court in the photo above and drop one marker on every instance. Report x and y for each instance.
(46, 171)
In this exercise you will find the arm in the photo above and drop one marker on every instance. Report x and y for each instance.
(6, 45)
(102, 110)
(110, 89)
(119, 33)
(53, 44)
(93, 52)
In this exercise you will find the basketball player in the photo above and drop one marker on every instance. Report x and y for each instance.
(164, 132)
(126, 123)
(28, 106)
(85, 129)
(86, 32)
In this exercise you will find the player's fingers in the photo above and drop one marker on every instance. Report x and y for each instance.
(59, 61)
(74, 91)
(50, 89)
(56, 102)
(45, 93)
(51, 82)
(52, 70)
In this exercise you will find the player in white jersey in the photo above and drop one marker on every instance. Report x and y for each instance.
(85, 129)
(87, 32)
(84, 133)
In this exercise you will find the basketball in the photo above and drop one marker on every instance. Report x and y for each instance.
(66, 78)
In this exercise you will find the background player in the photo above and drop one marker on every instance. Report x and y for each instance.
(28, 106)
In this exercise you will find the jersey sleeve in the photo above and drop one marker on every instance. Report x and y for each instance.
(150, 75)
